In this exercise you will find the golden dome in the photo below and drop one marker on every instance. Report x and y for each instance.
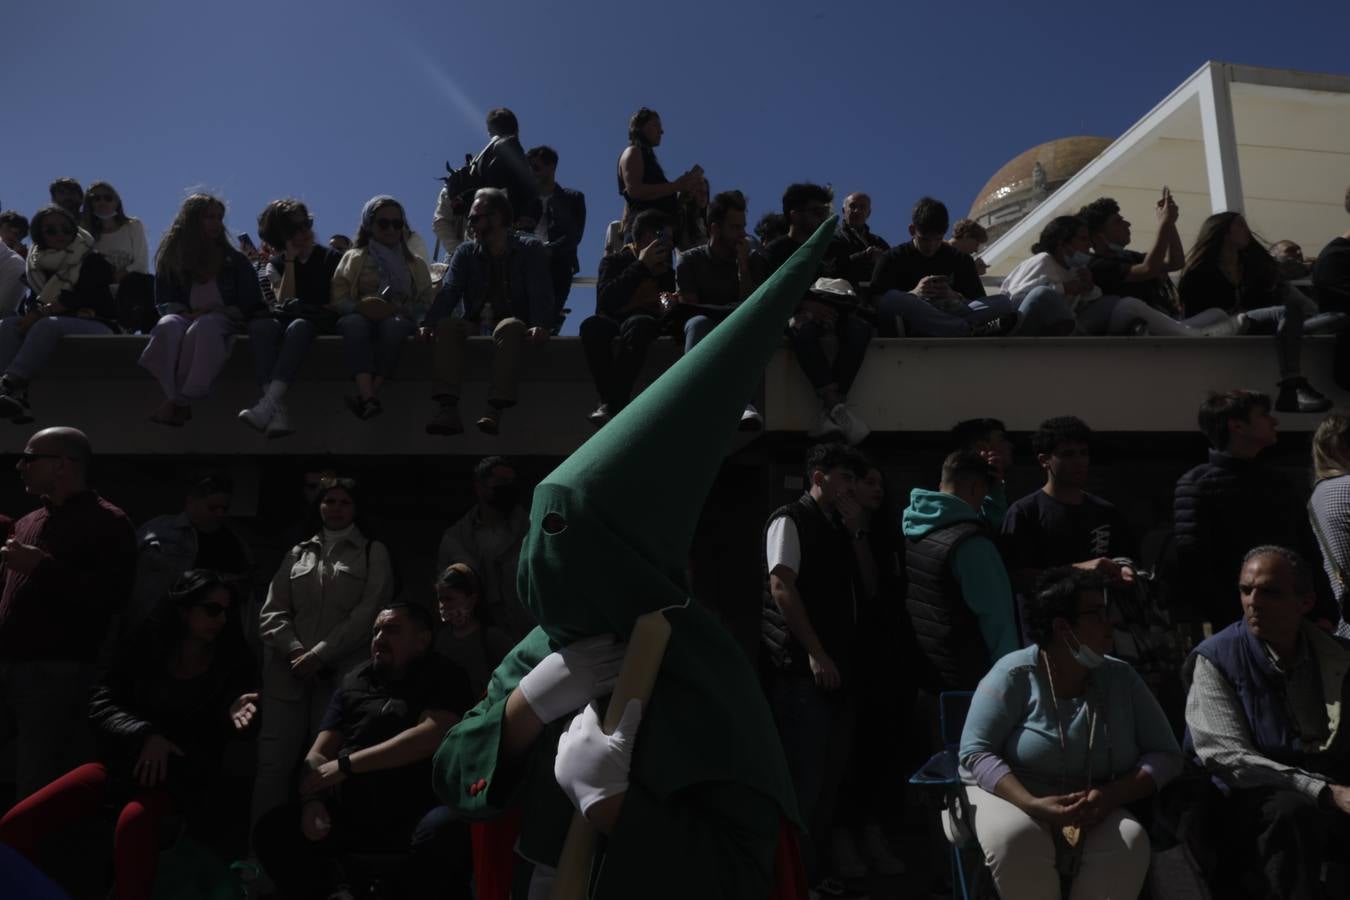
(1060, 159)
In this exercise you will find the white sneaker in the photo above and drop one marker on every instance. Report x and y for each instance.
(280, 426)
(825, 425)
(751, 420)
(855, 430)
(259, 415)
(847, 861)
(884, 862)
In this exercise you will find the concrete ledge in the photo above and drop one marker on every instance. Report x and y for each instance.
(911, 385)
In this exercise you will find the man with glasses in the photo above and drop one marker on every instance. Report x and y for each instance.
(498, 284)
(806, 207)
(67, 568)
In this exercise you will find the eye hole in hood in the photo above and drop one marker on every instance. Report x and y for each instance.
(554, 523)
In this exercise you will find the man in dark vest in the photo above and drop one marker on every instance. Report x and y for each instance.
(960, 599)
(815, 548)
(1265, 715)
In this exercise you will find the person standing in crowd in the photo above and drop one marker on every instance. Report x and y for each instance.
(67, 194)
(467, 636)
(1330, 273)
(809, 630)
(487, 538)
(120, 239)
(856, 249)
(498, 284)
(13, 229)
(562, 222)
(314, 626)
(1059, 741)
(339, 242)
(199, 537)
(161, 717)
(1228, 269)
(301, 277)
(205, 291)
(380, 289)
(1233, 502)
(806, 206)
(1329, 508)
(1264, 716)
(67, 568)
(642, 181)
(367, 777)
(1062, 524)
(959, 600)
(633, 299)
(71, 283)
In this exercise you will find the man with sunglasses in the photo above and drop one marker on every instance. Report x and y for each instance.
(65, 571)
(498, 284)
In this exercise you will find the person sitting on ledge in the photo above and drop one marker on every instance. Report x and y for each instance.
(70, 281)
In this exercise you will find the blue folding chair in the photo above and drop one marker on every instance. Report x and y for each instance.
(940, 782)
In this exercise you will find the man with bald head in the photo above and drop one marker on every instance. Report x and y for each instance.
(1266, 716)
(65, 570)
(855, 248)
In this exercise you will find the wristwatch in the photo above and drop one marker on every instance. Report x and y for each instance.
(344, 762)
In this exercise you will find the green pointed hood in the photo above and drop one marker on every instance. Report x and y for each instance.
(621, 510)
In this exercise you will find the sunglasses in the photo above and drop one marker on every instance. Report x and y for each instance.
(214, 610)
(477, 217)
(388, 223)
(347, 484)
(54, 230)
(102, 198)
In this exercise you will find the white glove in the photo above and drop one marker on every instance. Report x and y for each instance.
(568, 679)
(592, 766)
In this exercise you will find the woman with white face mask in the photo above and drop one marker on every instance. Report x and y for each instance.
(1060, 265)
(120, 239)
(1059, 739)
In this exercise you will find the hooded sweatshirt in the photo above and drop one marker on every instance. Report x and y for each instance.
(976, 565)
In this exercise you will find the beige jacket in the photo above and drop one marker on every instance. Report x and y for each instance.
(325, 603)
(358, 277)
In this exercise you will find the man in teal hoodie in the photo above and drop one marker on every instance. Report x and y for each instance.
(960, 598)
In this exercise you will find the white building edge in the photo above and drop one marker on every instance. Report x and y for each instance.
(1273, 144)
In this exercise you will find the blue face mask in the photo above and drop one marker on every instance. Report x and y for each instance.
(1079, 260)
(1084, 655)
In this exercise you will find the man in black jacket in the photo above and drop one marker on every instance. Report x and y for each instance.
(1234, 502)
(630, 311)
(367, 779)
(816, 553)
(856, 249)
(562, 221)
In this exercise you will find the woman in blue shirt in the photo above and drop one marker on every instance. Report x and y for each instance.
(1059, 739)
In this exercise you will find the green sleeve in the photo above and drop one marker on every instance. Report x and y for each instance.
(469, 754)
(986, 589)
(711, 841)
(994, 508)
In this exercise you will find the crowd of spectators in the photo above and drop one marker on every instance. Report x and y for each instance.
(511, 234)
(1070, 758)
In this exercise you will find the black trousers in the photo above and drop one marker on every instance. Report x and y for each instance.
(615, 364)
(439, 862)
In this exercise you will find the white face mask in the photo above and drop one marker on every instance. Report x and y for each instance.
(1079, 260)
(1084, 655)
(105, 216)
(1117, 248)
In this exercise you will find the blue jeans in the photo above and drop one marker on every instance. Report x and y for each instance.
(279, 348)
(22, 354)
(1044, 311)
(699, 327)
(922, 319)
(373, 348)
(854, 335)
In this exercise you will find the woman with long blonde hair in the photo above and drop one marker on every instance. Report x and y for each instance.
(205, 290)
(1329, 508)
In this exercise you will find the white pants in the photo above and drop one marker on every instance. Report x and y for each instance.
(289, 727)
(1021, 853)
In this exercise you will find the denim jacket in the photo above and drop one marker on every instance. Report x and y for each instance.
(529, 286)
(166, 548)
(238, 282)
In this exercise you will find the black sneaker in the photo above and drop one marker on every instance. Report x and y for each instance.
(997, 327)
(14, 402)
(1296, 395)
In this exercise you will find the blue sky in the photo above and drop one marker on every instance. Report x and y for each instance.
(335, 102)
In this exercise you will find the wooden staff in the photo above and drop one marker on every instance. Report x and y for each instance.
(637, 678)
